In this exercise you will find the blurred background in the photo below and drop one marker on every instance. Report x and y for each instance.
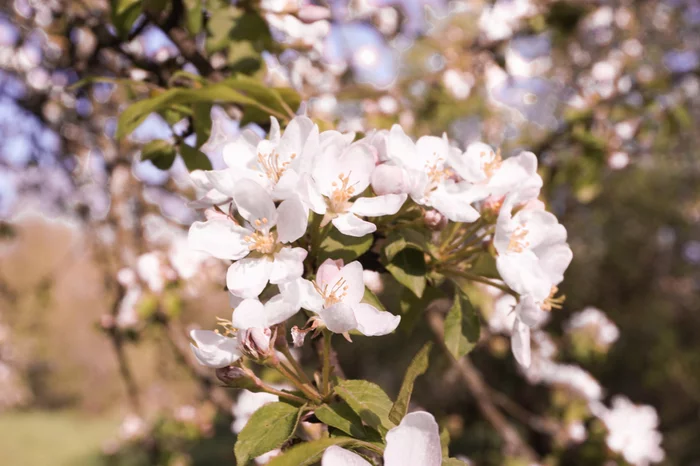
(98, 287)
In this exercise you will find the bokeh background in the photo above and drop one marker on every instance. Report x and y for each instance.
(97, 286)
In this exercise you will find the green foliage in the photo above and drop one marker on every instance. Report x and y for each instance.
(309, 453)
(341, 416)
(124, 13)
(348, 248)
(160, 152)
(194, 158)
(418, 367)
(452, 462)
(462, 326)
(268, 428)
(445, 442)
(369, 401)
(413, 308)
(194, 16)
(404, 257)
(371, 298)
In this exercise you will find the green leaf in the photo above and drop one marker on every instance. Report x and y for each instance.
(124, 14)
(201, 117)
(413, 308)
(453, 462)
(268, 428)
(194, 159)
(371, 298)
(445, 442)
(462, 326)
(342, 417)
(160, 152)
(408, 268)
(339, 246)
(194, 16)
(306, 454)
(369, 401)
(417, 368)
(400, 240)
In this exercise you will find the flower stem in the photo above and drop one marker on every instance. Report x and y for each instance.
(480, 279)
(326, 363)
(305, 388)
(284, 349)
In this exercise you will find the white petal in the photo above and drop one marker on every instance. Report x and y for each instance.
(242, 152)
(388, 204)
(278, 309)
(219, 237)
(255, 204)
(336, 456)
(225, 181)
(351, 225)
(294, 138)
(353, 280)
(302, 293)
(248, 277)
(390, 179)
(214, 350)
(234, 300)
(414, 442)
(287, 186)
(402, 150)
(469, 164)
(522, 273)
(292, 220)
(554, 262)
(372, 322)
(310, 195)
(454, 204)
(530, 313)
(357, 163)
(339, 318)
(431, 150)
(288, 265)
(250, 313)
(520, 342)
(274, 135)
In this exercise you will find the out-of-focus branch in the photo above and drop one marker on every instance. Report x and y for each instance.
(470, 375)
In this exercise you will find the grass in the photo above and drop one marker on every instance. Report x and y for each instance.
(57, 438)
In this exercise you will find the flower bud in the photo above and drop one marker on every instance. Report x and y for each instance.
(434, 220)
(390, 179)
(231, 375)
(373, 281)
(298, 336)
(256, 342)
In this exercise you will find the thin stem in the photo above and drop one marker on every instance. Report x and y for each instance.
(284, 349)
(326, 363)
(281, 394)
(480, 279)
(307, 390)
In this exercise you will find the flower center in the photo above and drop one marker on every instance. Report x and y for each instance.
(517, 241)
(332, 295)
(436, 172)
(270, 164)
(264, 242)
(490, 162)
(551, 302)
(342, 192)
(227, 328)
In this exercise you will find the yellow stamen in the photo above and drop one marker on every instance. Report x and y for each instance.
(517, 241)
(270, 164)
(342, 192)
(227, 328)
(490, 162)
(261, 241)
(333, 295)
(551, 302)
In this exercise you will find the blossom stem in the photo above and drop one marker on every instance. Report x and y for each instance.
(326, 362)
(280, 393)
(480, 279)
(306, 389)
(284, 349)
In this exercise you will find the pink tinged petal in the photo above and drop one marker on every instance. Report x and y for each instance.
(292, 220)
(219, 237)
(372, 322)
(241, 153)
(401, 149)
(351, 225)
(214, 350)
(520, 342)
(328, 273)
(381, 205)
(455, 205)
(522, 273)
(250, 313)
(353, 280)
(390, 179)
(278, 309)
(432, 151)
(248, 277)
(255, 204)
(336, 456)
(288, 265)
(414, 442)
(339, 318)
(357, 163)
(302, 293)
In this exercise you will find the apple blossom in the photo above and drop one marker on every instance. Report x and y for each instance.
(258, 248)
(215, 350)
(336, 295)
(414, 442)
(340, 175)
(431, 182)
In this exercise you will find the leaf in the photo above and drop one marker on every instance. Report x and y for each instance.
(408, 268)
(338, 246)
(124, 14)
(453, 462)
(413, 308)
(400, 240)
(369, 401)
(201, 117)
(462, 326)
(342, 417)
(371, 298)
(160, 152)
(306, 454)
(445, 442)
(194, 16)
(194, 159)
(268, 428)
(417, 368)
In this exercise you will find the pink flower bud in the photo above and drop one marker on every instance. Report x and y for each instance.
(298, 336)
(434, 220)
(390, 179)
(256, 342)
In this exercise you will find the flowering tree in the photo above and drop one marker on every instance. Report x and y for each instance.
(323, 215)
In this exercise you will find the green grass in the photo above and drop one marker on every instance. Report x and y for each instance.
(56, 438)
